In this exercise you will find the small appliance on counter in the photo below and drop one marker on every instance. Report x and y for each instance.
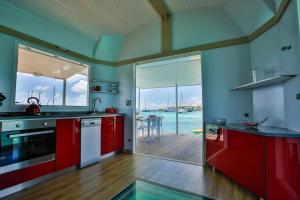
(33, 107)
(2, 98)
(111, 110)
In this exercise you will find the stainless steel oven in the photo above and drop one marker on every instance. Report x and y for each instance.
(24, 143)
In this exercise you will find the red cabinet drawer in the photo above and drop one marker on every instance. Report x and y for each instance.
(283, 168)
(119, 133)
(26, 174)
(107, 135)
(67, 143)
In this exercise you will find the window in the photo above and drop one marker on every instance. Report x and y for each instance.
(54, 80)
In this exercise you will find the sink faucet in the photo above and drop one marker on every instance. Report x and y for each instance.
(94, 104)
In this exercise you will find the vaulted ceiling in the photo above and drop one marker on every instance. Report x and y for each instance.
(85, 24)
(94, 18)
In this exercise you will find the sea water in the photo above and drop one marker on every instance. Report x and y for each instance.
(142, 190)
(187, 122)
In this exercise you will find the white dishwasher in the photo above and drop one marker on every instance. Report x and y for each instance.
(90, 150)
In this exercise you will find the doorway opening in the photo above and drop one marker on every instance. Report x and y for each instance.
(169, 111)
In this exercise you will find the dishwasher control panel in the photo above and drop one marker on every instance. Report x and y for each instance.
(90, 122)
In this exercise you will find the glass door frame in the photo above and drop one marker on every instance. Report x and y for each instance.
(177, 119)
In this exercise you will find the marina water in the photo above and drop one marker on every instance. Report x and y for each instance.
(187, 121)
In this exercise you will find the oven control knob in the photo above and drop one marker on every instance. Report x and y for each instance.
(45, 124)
(18, 126)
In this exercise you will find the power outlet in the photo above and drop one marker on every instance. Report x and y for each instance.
(298, 96)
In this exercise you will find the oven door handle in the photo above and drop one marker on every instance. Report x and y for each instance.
(30, 134)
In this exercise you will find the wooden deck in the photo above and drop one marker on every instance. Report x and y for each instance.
(187, 148)
(102, 181)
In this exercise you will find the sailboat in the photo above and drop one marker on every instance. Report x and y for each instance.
(145, 110)
(181, 109)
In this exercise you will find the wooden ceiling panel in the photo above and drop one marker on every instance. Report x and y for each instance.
(93, 18)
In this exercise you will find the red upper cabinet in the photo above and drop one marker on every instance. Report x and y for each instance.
(107, 135)
(67, 143)
(283, 168)
(240, 156)
(119, 133)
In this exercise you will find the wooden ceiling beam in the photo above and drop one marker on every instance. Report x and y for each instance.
(166, 26)
(161, 8)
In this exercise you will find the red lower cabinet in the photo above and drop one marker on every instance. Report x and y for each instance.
(26, 174)
(240, 156)
(112, 134)
(67, 143)
(119, 133)
(107, 135)
(283, 168)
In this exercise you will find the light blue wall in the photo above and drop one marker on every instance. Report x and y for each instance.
(142, 42)
(242, 12)
(106, 73)
(125, 74)
(108, 47)
(189, 28)
(265, 52)
(201, 26)
(224, 68)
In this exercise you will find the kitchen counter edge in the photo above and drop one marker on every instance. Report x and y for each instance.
(81, 116)
(262, 130)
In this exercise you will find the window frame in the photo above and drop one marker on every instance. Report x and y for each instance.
(51, 53)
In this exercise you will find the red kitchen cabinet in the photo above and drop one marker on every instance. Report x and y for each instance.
(26, 174)
(283, 168)
(240, 156)
(214, 143)
(119, 133)
(107, 135)
(67, 143)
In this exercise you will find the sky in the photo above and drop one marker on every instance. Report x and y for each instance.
(30, 85)
(158, 97)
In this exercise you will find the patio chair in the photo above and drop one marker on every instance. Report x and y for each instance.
(140, 127)
(155, 125)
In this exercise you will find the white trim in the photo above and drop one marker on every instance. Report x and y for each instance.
(134, 109)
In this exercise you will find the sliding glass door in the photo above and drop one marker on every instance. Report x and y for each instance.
(169, 110)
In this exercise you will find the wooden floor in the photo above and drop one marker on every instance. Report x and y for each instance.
(184, 147)
(104, 180)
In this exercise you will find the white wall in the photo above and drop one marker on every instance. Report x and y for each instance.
(279, 102)
(126, 77)
(269, 102)
(224, 68)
